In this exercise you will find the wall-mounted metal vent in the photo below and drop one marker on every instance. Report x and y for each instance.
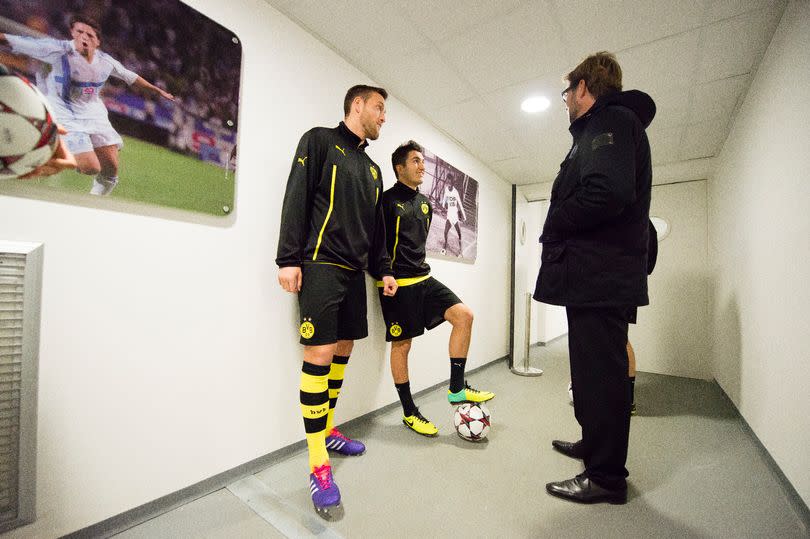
(20, 285)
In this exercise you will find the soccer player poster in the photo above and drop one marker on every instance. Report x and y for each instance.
(454, 196)
(148, 91)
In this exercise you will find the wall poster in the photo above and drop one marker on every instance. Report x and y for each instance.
(147, 89)
(454, 196)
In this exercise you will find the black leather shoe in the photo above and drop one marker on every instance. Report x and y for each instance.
(569, 449)
(583, 490)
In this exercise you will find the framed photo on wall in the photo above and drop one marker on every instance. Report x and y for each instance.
(454, 197)
(148, 91)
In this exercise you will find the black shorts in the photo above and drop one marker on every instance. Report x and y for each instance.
(415, 308)
(332, 302)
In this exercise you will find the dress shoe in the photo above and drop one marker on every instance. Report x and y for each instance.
(569, 449)
(583, 490)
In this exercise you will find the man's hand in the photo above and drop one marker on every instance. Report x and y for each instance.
(290, 279)
(164, 93)
(389, 285)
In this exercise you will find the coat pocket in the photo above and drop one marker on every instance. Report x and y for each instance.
(552, 251)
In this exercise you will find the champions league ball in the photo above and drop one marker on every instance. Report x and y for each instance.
(28, 133)
(472, 421)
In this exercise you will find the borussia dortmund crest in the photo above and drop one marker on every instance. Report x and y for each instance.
(307, 330)
(425, 208)
(396, 330)
(373, 172)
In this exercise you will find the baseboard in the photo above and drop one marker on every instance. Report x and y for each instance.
(555, 339)
(155, 508)
(796, 501)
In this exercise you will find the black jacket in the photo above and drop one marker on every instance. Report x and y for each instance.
(407, 221)
(332, 210)
(595, 238)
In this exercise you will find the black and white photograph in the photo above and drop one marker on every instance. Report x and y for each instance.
(454, 197)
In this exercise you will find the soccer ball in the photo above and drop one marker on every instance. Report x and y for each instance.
(472, 421)
(28, 133)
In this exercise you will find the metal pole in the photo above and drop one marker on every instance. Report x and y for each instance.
(527, 370)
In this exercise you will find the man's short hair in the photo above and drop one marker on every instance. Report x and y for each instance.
(363, 91)
(400, 155)
(89, 21)
(601, 73)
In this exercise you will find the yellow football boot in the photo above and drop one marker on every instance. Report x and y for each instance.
(418, 423)
(469, 394)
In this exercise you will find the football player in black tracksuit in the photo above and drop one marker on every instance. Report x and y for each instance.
(421, 301)
(332, 229)
(594, 262)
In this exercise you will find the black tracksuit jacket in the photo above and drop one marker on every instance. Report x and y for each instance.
(595, 238)
(332, 210)
(407, 221)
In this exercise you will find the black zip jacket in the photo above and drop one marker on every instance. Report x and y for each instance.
(407, 221)
(595, 238)
(332, 210)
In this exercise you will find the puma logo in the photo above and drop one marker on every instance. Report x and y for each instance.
(341, 150)
(401, 206)
(303, 160)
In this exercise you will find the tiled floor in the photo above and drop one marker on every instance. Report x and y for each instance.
(694, 471)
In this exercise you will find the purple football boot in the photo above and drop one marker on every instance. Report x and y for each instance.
(324, 491)
(339, 443)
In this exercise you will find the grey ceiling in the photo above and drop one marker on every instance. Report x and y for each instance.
(466, 66)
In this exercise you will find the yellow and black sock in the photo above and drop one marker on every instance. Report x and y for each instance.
(336, 374)
(315, 409)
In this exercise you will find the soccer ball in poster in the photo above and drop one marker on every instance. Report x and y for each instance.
(28, 132)
(472, 421)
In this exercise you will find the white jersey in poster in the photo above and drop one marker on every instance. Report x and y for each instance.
(452, 201)
(73, 85)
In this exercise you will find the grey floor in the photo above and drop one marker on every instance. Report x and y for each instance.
(694, 472)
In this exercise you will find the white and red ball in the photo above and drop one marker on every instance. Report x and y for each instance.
(472, 421)
(28, 132)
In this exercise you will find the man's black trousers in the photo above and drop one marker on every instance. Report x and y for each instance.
(597, 340)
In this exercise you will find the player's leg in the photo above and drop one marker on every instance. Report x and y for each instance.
(458, 230)
(352, 324)
(80, 145)
(87, 163)
(447, 226)
(411, 416)
(322, 290)
(460, 317)
(403, 318)
(336, 440)
(631, 359)
(107, 177)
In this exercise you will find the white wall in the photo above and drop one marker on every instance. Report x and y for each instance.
(670, 336)
(552, 321)
(759, 252)
(168, 350)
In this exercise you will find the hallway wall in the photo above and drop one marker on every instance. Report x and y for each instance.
(759, 253)
(168, 352)
(670, 336)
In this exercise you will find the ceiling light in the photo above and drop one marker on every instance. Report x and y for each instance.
(535, 104)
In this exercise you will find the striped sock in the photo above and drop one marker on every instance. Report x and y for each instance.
(336, 374)
(314, 407)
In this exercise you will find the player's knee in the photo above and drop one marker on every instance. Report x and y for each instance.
(461, 315)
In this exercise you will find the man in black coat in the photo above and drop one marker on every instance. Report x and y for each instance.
(594, 262)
